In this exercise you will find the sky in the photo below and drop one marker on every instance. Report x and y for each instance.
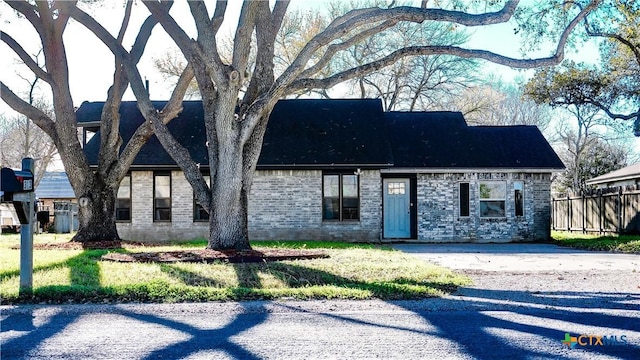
(91, 64)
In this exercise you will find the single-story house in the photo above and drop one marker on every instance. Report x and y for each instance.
(627, 176)
(346, 170)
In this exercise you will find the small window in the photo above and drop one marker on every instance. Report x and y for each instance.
(492, 199)
(340, 197)
(161, 197)
(518, 198)
(199, 213)
(464, 199)
(123, 200)
(396, 188)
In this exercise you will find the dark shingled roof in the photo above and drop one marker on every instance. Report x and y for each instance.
(312, 133)
(188, 128)
(443, 140)
(301, 133)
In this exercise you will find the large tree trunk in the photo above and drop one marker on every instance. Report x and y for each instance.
(228, 226)
(96, 215)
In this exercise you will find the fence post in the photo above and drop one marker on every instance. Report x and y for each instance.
(584, 213)
(619, 210)
(569, 208)
(600, 212)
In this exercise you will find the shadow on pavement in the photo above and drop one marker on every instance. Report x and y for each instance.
(482, 322)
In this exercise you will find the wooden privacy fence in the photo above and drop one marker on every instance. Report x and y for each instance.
(614, 210)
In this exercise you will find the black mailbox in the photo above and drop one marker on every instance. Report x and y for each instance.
(15, 181)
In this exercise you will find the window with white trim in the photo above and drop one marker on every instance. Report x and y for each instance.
(518, 198)
(492, 199)
(161, 197)
(199, 213)
(123, 200)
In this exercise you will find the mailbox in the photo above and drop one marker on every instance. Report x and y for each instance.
(15, 181)
(15, 186)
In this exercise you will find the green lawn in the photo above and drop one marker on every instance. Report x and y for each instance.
(622, 243)
(353, 271)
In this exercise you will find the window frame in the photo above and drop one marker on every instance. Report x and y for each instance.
(199, 214)
(502, 200)
(341, 197)
(467, 203)
(119, 199)
(518, 205)
(156, 217)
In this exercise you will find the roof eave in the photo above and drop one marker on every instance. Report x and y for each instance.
(466, 170)
(604, 180)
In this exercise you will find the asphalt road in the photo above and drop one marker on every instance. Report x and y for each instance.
(485, 321)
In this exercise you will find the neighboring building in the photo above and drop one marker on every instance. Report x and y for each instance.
(346, 170)
(54, 187)
(628, 176)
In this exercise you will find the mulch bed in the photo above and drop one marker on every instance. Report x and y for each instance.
(186, 255)
(208, 256)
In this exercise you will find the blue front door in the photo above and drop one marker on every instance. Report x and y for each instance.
(396, 208)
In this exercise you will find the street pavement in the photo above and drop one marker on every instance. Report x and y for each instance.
(483, 321)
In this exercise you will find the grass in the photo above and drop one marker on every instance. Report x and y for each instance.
(353, 271)
(616, 243)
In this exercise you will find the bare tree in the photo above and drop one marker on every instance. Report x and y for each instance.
(500, 104)
(95, 189)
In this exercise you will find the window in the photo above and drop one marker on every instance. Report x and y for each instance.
(340, 197)
(492, 199)
(396, 188)
(161, 197)
(199, 214)
(464, 199)
(518, 198)
(123, 200)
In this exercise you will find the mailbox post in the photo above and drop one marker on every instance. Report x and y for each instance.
(26, 234)
(17, 187)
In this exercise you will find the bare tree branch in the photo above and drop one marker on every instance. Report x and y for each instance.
(334, 48)
(242, 39)
(218, 15)
(356, 18)
(33, 113)
(555, 59)
(26, 59)
(30, 12)
(188, 47)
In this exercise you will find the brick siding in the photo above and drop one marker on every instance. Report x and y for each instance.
(438, 209)
(287, 205)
